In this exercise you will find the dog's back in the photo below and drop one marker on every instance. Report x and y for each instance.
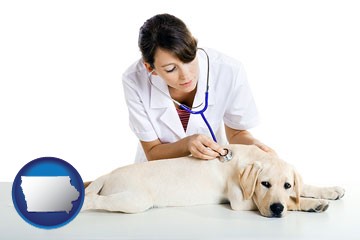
(182, 181)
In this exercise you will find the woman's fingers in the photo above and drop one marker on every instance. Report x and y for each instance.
(203, 147)
(265, 148)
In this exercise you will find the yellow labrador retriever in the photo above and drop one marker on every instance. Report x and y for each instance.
(252, 180)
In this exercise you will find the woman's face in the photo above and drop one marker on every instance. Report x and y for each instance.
(178, 75)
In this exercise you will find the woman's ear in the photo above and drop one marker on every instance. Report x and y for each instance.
(149, 68)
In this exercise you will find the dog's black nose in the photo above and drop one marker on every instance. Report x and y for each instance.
(277, 209)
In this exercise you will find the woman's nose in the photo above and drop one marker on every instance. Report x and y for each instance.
(184, 72)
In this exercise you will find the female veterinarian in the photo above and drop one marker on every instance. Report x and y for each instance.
(183, 99)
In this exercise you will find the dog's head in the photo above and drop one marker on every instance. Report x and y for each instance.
(272, 184)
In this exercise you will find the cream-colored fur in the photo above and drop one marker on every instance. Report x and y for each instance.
(252, 180)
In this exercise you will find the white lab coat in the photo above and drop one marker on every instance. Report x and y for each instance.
(153, 116)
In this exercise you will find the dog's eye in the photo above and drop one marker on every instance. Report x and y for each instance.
(287, 185)
(266, 184)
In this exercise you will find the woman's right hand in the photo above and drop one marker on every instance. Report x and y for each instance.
(203, 147)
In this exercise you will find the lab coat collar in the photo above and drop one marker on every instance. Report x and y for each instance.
(158, 99)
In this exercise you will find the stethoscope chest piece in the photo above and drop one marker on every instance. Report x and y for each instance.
(227, 156)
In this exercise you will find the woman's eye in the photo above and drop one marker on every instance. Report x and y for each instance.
(266, 184)
(170, 70)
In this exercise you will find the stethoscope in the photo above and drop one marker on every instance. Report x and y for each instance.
(228, 155)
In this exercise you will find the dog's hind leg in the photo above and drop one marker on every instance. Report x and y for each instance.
(127, 202)
(331, 193)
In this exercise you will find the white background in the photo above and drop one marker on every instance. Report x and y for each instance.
(61, 64)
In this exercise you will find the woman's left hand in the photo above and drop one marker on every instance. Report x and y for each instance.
(265, 148)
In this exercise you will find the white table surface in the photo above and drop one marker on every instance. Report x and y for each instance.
(340, 221)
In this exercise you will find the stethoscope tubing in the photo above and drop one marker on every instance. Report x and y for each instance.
(201, 112)
(186, 108)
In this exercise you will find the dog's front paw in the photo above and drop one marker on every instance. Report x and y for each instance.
(320, 206)
(340, 192)
(334, 193)
(313, 205)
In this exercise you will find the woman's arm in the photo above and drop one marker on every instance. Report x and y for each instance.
(244, 137)
(198, 145)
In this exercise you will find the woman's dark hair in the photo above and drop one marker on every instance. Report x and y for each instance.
(169, 33)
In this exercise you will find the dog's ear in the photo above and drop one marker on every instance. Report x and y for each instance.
(297, 187)
(248, 177)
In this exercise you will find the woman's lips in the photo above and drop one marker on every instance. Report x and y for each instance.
(186, 84)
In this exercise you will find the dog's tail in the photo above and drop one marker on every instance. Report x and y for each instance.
(86, 184)
(92, 192)
(95, 186)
